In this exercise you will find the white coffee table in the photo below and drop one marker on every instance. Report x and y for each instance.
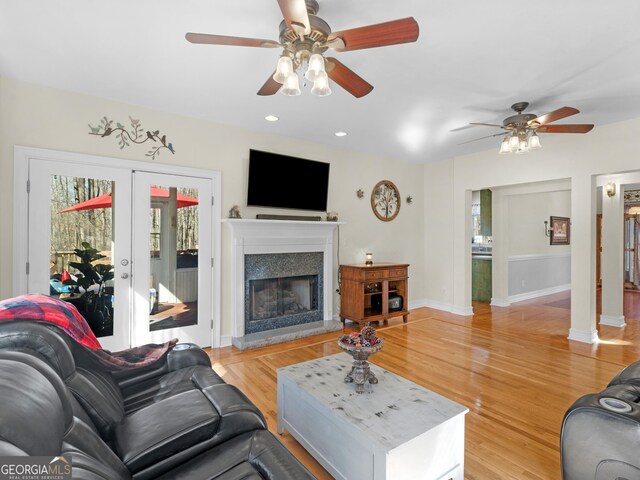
(395, 430)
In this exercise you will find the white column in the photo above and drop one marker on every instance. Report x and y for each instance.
(500, 259)
(462, 253)
(172, 247)
(612, 268)
(583, 251)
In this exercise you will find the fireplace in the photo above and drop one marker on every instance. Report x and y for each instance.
(282, 289)
(271, 251)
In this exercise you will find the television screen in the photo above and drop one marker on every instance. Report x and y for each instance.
(287, 182)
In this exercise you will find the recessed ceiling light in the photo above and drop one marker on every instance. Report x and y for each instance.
(271, 118)
(341, 134)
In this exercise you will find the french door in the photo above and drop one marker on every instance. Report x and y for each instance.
(172, 258)
(131, 249)
(59, 224)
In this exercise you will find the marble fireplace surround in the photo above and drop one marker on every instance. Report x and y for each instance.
(251, 237)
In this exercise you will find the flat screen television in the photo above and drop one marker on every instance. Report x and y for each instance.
(281, 181)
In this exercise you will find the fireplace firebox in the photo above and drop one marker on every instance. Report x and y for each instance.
(275, 297)
(282, 290)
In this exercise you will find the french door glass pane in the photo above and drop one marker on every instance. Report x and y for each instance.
(173, 242)
(81, 250)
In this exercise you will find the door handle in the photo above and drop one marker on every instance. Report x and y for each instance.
(124, 275)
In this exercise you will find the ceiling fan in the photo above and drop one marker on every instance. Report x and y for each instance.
(304, 37)
(521, 129)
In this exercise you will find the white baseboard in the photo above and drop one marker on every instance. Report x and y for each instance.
(417, 304)
(500, 302)
(464, 311)
(584, 336)
(446, 307)
(612, 321)
(538, 293)
(225, 341)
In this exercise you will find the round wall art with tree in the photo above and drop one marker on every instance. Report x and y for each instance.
(385, 200)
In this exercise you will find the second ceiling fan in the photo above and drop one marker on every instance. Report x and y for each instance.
(304, 37)
(521, 130)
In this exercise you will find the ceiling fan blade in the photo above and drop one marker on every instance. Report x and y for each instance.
(482, 138)
(347, 78)
(578, 128)
(488, 124)
(295, 15)
(224, 40)
(555, 115)
(270, 87)
(394, 32)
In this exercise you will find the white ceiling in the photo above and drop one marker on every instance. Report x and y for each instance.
(473, 59)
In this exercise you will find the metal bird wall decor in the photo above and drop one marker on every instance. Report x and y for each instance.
(136, 134)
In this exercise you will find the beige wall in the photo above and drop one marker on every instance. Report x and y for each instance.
(36, 116)
(438, 239)
(526, 214)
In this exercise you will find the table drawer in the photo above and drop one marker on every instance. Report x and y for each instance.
(398, 272)
(375, 274)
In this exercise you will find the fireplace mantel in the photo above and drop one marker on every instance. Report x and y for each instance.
(250, 237)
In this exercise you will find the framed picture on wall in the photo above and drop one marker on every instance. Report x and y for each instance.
(560, 230)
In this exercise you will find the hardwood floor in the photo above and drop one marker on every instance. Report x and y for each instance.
(511, 366)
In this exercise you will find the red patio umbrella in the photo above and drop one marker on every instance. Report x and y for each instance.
(104, 201)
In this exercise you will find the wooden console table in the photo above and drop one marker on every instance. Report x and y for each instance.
(366, 290)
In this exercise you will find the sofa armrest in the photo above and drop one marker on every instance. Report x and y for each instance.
(183, 355)
(187, 355)
(600, 435)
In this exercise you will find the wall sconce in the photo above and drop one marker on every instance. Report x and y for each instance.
(610, 188)
(547, 232)
(368, 258)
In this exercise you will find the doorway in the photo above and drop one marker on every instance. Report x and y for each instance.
(130, 245)
(631, 250)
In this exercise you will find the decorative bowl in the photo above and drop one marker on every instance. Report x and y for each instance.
(360, 372)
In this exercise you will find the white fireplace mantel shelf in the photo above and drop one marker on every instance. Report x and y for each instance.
(254, 236)
(243, 227)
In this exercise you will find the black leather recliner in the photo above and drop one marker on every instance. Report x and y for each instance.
(600, 436)
(173, 419)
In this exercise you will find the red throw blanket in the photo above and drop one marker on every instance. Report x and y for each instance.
(42, 308)
(52, 310)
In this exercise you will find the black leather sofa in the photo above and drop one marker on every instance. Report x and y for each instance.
(600, 437)
(175, 418)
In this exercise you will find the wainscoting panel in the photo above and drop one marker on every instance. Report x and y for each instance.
(539, 274)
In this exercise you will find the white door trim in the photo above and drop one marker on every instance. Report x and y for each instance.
(21, 157)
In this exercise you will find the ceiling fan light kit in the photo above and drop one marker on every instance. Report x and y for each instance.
(316, 68)
(291, 86)
(534, 141)
(520, 142)
(284, 69)
(321, 86)
(305, 37)
(315, 72)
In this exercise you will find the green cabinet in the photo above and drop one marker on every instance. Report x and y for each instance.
(481, 278)
(485, 213)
